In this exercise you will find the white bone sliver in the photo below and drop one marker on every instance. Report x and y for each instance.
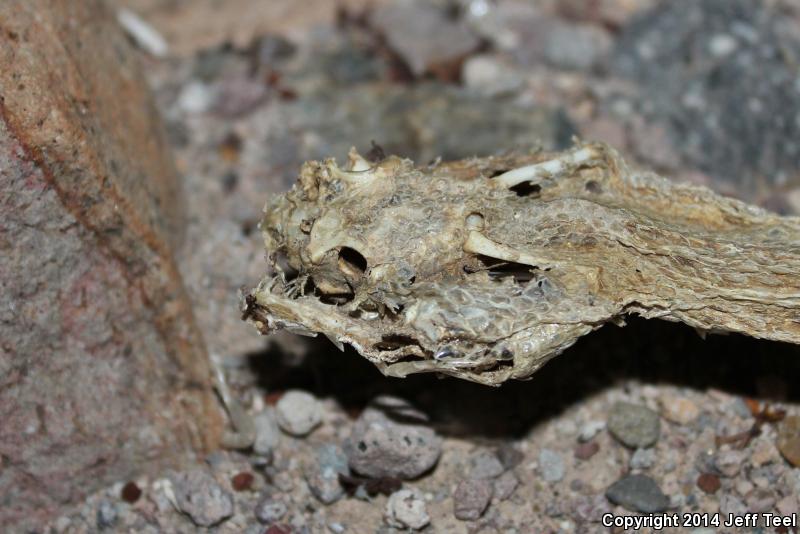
(544, 169)
(477, 243)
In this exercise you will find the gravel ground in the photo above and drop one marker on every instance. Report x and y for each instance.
(645, 419)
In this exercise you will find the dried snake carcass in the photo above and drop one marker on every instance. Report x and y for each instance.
(484, 269)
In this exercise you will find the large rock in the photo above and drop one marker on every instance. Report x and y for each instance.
(102, 370)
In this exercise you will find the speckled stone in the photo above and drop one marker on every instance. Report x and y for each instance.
(634, 425)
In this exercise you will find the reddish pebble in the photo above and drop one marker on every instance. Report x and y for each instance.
(278, 529)
(130, 492)
(709, 483)
(584, 451)
(242, 481)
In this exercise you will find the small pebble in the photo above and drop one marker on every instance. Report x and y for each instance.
(576, 46)
(729, 462)
(590, 429)
(634, 425)
(323, 475)
(504, 485)
(679, 409)
(195, 97)
(485, 464)
(380, 447)
(586, 450)
(336, 528)
(638, 493)
(787, 506)
(106, 515)
(789, 439)
(722, 45)
(709, 483)
(199, 496)
(406, 509)
(471, 499)
(760, 500)
(298, 412)
(764, 452)
(551, 465)
(267, 432)
(728, 504)
(279, 529)
(588, 508)
(509, 456)
(743, 487)
(130, 492)
(242, 481)
(643, 459)
(269, 510)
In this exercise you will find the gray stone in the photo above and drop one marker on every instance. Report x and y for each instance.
(107, 515)
(634, 425)
(729, 504)
(590, 429)
(380, 447)
(423, 35)
(760, 500)
(638, 493)
(643, 459)
(551, 465)
(406, 509)
(576, 46)
(471, 499)
(729, 462)
(491, 76)
(714, 74)
(198, 495)
(298, 412)
(267, 432)
(504, 485)
(270, 510)
(485, 464)
(322, 475)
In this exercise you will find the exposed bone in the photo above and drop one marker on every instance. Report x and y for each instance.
(597, 242)
(547, 169)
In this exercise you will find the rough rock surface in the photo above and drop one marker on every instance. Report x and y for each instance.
(97, 343)
(719, 75)
(382, 447)
(201, 497)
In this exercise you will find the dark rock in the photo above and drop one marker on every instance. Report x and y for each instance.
(709, 483)
(638, 493)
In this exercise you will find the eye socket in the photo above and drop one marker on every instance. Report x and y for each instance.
(351, 262)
